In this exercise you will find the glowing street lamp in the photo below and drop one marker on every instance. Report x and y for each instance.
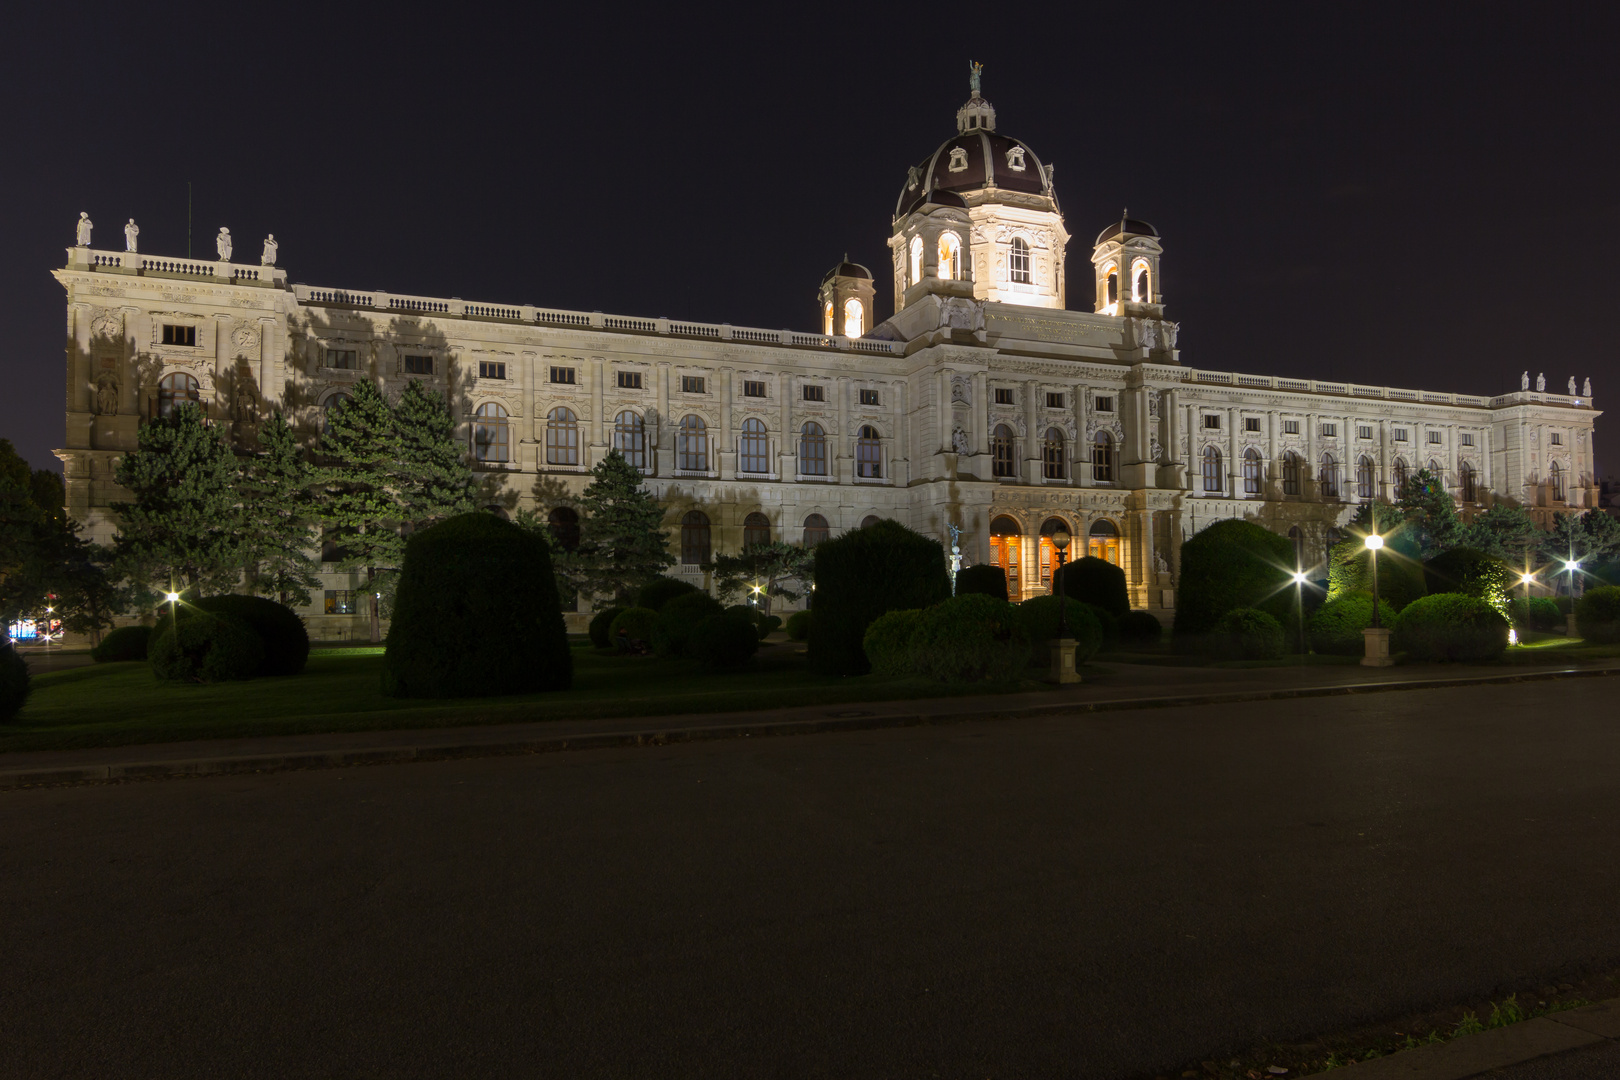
(1299, 607)
(1063, 659)
(1375, 636)
(1374, 542)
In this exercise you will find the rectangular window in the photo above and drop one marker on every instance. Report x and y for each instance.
(691, 384)
(342, 359)
(1363, 431)
(1251, 423)
(1397, 434)
(1212, 422)
(491, 369)
(1330, 430)
(419, 365)
(753, 388)
(1290, 427)
(629, 380)
(1105, 404)
(340, 601)
(179, 335)
(1555, 439)
(815, 393)
(1467, 439)
(1004, 397)
(1054, 401)
(564, 375)
(1434, 436)
(869, 397)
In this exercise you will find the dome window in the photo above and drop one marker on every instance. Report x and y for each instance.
(950, 250)
(916, 260)
(1015, 159)
(854, 318)
(826, 319)
(958, 160)
(1018, 264)
(1141, 283)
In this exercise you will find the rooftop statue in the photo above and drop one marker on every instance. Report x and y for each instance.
(223, 243)
(1586, 388)
(131, 231)
(1541, 381)
(270, 248)
(1524, 381)
(1572, 386)
(974, 71)
(85, 225)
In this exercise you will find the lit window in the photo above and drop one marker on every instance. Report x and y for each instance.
(692, 445)
(869, 397)
(179, 335)
(340, 601)
(1004, 397)
(1366, 478)
(826, 319)
(564, 375)
(692, 384)
(753, 388)
(916, 274)
(177, 389)
(753, 447)
(630, 438)
(815, 530)
(1109, 298)
(419, 365)
(1103, 541)
(950, 250)
(1213, 481)
(1001, 451)
(1105, 404)
(854, 318)
(1329, 476)
(756, 530)
(1290, 473)
(1102, 457)
(342, 359)
(490, 433)
(1053, 464)
(1018, 263)
(695, 538)
(815, 392)
(1253, 471)
(868, 454)
(1054, 401)
(562, 438)
(1141, 287)
(812, 450)
(491, 369)
(629, 380)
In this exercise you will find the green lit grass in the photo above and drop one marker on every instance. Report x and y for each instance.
(117, 704)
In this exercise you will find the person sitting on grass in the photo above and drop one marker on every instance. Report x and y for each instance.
(629, 646)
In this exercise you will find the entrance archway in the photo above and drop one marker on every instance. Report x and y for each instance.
(1048, 551)
(1103, 541)
(1006, 551)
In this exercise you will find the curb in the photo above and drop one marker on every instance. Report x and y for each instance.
(1474, 1055)
(545, 744)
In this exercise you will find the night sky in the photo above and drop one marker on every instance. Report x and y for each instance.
(1418, 196)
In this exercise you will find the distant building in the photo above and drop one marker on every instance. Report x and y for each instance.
(983, 402)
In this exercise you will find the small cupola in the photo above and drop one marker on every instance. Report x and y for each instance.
(846, 296)
(978, 114)
(1126, 259)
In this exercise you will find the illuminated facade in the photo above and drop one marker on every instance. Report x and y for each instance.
(983, 402)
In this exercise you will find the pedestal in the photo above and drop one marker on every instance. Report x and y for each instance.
(1063, 662)
(1377, 643)
(1570, 629)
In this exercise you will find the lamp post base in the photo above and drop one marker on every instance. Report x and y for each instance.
(1376, 639)
(1063, 671)
(1570, 629)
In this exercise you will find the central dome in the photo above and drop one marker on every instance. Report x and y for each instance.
(978, 160)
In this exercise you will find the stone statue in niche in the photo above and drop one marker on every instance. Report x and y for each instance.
(85, 225)
(1541, 381)
(959, 442)
(1159, 564)
(1572, 386)
(222, 243)
(270, 249)
(961, 394)
(1524, 381)
(107, 396)
(1586, 387)
(131, 231)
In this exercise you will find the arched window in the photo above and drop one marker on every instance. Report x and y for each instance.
(916, 268)
(756, 529)
(1329, 476)
(1006, 551)
(630, 438)
(491, 437)
(1110, 291)
(812, 450)
(1018, 262)
(1465, 474)
(868, 453)
(1102, 457)
(1047, 557)
(1103, 541)
(1001, 451)
(1253, 471)
(753, 456)
(562, 437)
(1366, 478)
(1213, 481)
(826, 319)
(1141, 285)
(1555, 481)
(336, 401)
(1291, 468)
(1401, 474)
(950, 256)
(564, 523)
(692, 444)
(694, 538)
(854, 318)
(181, 389)
(1054, 465)
(870, 520)
(815, 530)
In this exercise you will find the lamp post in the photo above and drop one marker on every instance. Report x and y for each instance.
(1299, 607)
(1060, 540)
(172, 598)
(1375, 636)
(1063, 669)
(1572, 566)
(1526, 579)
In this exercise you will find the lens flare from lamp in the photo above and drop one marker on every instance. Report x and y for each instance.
(171, 598)
(1374, 542)
(1513, 636)
(1299, 578)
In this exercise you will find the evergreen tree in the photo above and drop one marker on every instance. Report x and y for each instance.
(23, 555)
(358, 505)
(276, 517)
(775, 568)
(1431, 514)
(182, 522)
(1588, 538)
(85, 594)
(1507, 532)
(433, 477)
(622, 541)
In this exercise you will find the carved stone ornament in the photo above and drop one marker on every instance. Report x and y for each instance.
(1155, 451)
(959, 441)
(961, 314)
(245, 337)
(107, 324)
(961, 390)
(106, 394)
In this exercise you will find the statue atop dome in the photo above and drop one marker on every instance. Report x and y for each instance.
(975, 69)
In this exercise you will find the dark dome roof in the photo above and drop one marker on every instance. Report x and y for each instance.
(848, 269)
(1127, 224)
(987, 159)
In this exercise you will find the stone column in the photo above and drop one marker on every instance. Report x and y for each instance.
(664, 446)
(1233, 471)
(899, 470)
(844, 445)
(981, 413)
(1033, 472)
(788, 451)
(727, 455)
(597, 419)
(1081, 455)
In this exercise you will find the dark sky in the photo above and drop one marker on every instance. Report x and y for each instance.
(1412, 195)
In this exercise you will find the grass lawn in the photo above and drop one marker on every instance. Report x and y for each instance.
(116, 704)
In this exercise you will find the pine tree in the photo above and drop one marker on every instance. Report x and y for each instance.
(182, 522)
(622, 541)
(432, 476)
(23, 557)
(776, 568)
(358, 506)
(1431, 514)
(1507, 532)
(276, 517)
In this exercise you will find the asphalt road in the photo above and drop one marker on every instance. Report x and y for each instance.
(1093, 896)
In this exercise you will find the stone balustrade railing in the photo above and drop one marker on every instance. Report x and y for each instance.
(1387, 393)
(131, 262)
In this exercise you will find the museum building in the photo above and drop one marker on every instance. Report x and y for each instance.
(983, 403)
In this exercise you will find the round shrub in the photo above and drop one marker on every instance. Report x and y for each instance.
(672, 635)
(1140, 628)
(1248, 634)
(1597, 615)
(762, 623)
(1450, 626)
(888, 642)
(1040, 618)
(1095, 581)
(476, 614)
(798, 626)
(14, 683)
(1232, 564)
(984, 580)
(280, 630)
(660, 591)
(1110, 627)
(768, 625)
(971, 639)
(723, 642)
(638, 623)
(862, 574)
(124, 643)
(1401, 577)
(602, 625)
(1336, 626)
(1536, 613)
(205, 646)
(1470, 572)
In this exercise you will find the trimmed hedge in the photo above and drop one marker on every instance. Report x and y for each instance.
(1110, 627)
(1450, 626)
(723, 642)
(762, 623)
(204, 646)
(601, 627)
(1470, 572)
(1039, 616)
(984, 580)
(124, 643)
(1536, 613)
(888, 642)
(798, 625)
(1401, 577)
(1597, 615)
(660, 591)
(672, 636)
(280, 630)
(14, 682)
(1248, 634)
(1232, 564)
(862, 574)
(476, 614)
(1336, 626)
(972, 638)
(1095, 581)
(639, 624)
(1140, 628)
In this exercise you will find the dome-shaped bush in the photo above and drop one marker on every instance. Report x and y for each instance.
(1095, 581)
(280, 630)
(206, 646)
(1470, 572)
(1336, 626)
(798, 626)
(476, 614)
(661, 590)
(971, 639)
(1536, 613)
(1248, 634)
(1597, 615)
(1450, 626)
(984, 579)
(601, 626)
(862, 574)
(1140, 628)
(888, 642)
(124, 643)
(639, 625)
(678, 618)
(14, 682)
(723, 642)
(1039, 617)
(1232, 564)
